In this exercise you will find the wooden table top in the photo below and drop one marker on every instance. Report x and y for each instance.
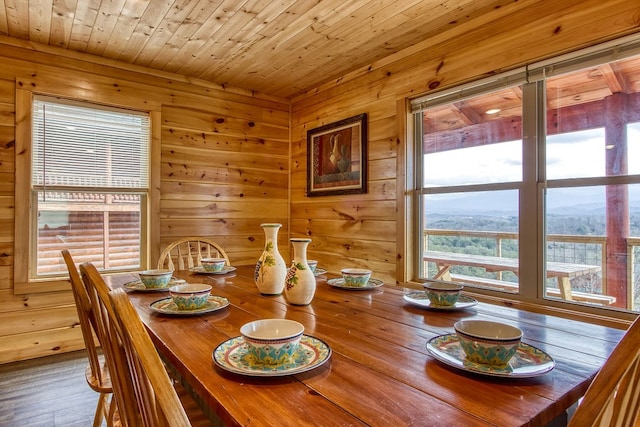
(380, 372)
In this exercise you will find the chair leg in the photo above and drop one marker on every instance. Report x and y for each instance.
(101, 409)
(111, 413)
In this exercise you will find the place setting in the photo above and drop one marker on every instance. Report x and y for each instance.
(441, 295)
(189, 299)
(212, 266)
(355, 279)
(271, 348)
(153, 281)
(490, 348)
(317, 271)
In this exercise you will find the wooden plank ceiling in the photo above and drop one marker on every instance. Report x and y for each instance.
(281, 48)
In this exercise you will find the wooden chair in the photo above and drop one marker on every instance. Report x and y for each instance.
(97, 373)
(144, 392)
(188, 252)
(613, 398)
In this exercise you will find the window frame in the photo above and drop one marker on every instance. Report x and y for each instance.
(534, 183)
(24, 251)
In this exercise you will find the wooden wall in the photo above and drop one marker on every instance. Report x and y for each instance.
(368, 230)
(224, 171)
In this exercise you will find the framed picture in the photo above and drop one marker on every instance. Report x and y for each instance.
(337, 158)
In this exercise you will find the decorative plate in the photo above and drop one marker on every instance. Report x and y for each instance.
(138, 286)
(167, 306)
(422, 300)
(340, 283)
(232, 356)
(200, 270)
(319, 271)
(528, 361)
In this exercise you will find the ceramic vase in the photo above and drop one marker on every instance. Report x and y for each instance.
(271, 269)
(300, 284)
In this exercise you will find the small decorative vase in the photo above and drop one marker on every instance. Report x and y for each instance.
(271, 269)
(300, 283)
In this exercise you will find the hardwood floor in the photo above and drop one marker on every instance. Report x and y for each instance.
(47, 392)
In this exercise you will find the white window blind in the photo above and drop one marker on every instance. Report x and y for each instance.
(88, 147)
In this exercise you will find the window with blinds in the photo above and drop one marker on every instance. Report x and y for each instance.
(90, 184)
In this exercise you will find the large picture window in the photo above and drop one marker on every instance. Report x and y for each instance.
(529, 183)
(89, 186)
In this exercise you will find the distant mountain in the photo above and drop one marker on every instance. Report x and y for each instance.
(576, 201)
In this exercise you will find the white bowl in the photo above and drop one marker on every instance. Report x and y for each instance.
(272, 341)
(487, 342)
(356, 276)
(213, 265)
(190, 296)
(155, 278)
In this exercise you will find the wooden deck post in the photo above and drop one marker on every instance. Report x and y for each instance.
(617, 198)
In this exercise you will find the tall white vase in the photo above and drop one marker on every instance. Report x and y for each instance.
(301, 282)
(271, 269)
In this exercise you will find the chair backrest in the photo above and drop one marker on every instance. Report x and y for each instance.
(159, 403)
(143, 390)
(85, 316)
(187, 253)
(613, 398)
(116, 361)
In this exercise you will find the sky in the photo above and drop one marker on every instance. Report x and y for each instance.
(574, 155)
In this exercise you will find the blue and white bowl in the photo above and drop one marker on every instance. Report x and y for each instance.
(357, 277)
(155, 278)
(487, 342)
(272, 341)
(443, 293)
(190, 296)
(213, 265)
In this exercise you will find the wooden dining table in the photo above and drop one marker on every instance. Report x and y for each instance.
(379, 372)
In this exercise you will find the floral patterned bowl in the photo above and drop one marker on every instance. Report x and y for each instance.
(190, 296)
(272, 341)
(213, 265)
(155, 278)
(486, 342)
(443, 293)
(356, 276)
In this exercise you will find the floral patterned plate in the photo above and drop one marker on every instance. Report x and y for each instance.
(200, 270)
(527, 362)
(167, 306)
(138, 286)
(422, 300)
(232, 356)
(340, 283)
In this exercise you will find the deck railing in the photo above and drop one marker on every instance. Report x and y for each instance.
(589, 250)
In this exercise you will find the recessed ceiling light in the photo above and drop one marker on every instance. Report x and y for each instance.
(493, 111)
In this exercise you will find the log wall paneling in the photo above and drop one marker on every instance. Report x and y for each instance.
(223, 168)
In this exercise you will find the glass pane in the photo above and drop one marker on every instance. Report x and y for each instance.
(475, 141)
(472, 238)
(592, 124)
(104, 229)
(586, 225)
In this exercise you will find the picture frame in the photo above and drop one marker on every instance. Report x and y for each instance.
(337, 158)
